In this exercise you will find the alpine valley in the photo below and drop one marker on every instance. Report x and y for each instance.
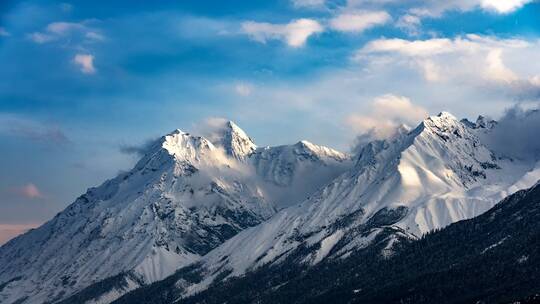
(433, 214)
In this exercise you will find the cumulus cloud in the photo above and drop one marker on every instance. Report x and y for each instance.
(85, 63)
(503, 6)
(387, 113)
(411, 20)
(14, 125)
(28, 191)
(437, 8)
(295, 33)
(479, 60)
(358, 21)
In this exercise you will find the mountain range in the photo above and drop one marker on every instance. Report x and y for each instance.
(217, 219)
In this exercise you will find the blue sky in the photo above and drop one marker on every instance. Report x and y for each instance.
(79, 80)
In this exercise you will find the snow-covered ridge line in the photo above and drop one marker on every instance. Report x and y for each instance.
(434, 175)
(184, 197)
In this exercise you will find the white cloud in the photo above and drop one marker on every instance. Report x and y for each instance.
(438, 7)
(471, 54)
(431, 71)
(492, 64)
(243, 89)
(410, 24)
(22, 127)
(61, 30)
(295, 33)
(503, 6)
(414, 48)
(496, 69)
(85, 62)
(411, 21)
(38, 37)
(94, 36)
(28, 191)
(387, 113)
(359, 21)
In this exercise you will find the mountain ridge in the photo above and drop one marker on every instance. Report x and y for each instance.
(436, 174)
(185, 196)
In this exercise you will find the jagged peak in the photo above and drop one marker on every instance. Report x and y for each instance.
(442, 118)
(485, 122)
(233, 139)
(234, 128)
(446, 115)
(482, 122)
(443, 122)
(184, 145)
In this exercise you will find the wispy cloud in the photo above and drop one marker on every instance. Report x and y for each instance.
(85, 63)
(29, 191)
(137, 150)
(472, 57)
(387, 113)
(295, 33)
(66, 30)
(358, 21)
(15, 125)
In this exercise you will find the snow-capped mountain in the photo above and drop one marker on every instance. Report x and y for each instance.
(492, 258)
(185, 197)
(293, 172)
(234, 140)
(427, 178)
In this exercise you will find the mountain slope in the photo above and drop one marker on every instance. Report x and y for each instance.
(182, 199)
(290, 173)
(185, 197)
(493, 258)
(399, 189)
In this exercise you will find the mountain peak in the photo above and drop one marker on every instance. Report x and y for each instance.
(485, 122)
(234, 140)
(445, 114)
(444, 121)
(482, 122)
(304, 143)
